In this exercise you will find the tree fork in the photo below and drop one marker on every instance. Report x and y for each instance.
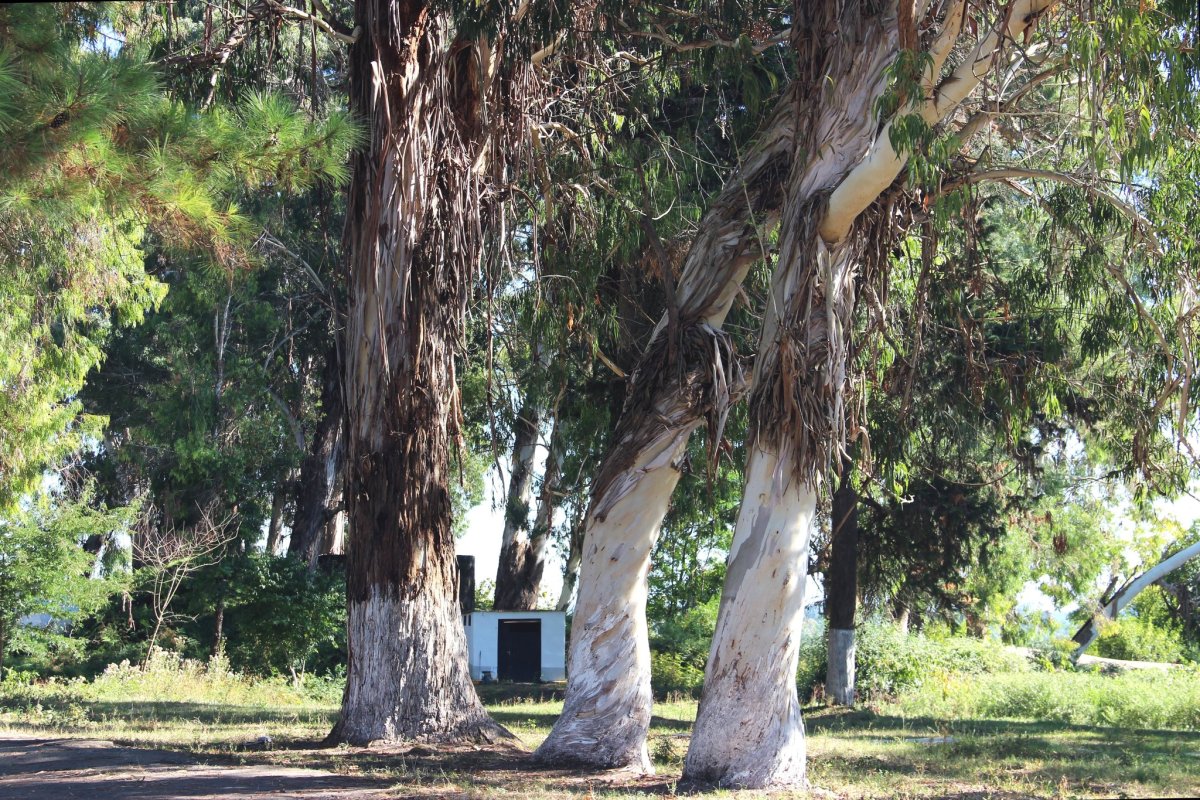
(606, 714)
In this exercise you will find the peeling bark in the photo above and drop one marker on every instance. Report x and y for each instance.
(796, 418)
(511, 583)
(410, 256)
(606, 714)
(750, 678)
(827, 114)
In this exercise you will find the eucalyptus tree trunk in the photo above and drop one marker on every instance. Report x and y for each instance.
(796, 418)
(409, 238)
(687, 374)
(278, 501)
(527, 561)
(574, 561)
(607, 709)
(750, 678)
(514, 545)
(317, 487)
(841, 590)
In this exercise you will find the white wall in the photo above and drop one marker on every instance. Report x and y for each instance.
(482, 645)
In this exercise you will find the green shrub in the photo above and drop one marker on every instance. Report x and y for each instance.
(1133, 639)
(672, 674)
(889, 662)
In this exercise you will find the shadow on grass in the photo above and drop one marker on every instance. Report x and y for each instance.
(847, 745)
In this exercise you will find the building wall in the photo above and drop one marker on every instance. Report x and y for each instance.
(483, 632)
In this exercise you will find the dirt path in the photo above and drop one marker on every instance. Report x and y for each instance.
(33, 768)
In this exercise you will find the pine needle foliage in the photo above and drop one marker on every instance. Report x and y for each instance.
(97, 158)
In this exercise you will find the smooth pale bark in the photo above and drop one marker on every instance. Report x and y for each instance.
(514, 542)
(606, 714)
(409, 260)
(756, 645)
(1091, 629)
(750, 677)
(799, 378)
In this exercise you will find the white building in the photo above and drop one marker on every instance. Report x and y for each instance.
(525, 646)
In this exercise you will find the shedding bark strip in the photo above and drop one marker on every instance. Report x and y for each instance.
(414, 233)
(797, 409)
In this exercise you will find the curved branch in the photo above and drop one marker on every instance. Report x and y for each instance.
(1021, 173)
(882, 164)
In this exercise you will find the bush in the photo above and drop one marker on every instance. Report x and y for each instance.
(1137, 640)
(283, 619)
(889, 662)
(672, 674)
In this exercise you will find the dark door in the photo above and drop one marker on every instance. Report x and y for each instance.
(520, 644)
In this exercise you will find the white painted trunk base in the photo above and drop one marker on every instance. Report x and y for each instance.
(407, 677)
(606, 715)
(839, 674)
(748, 731)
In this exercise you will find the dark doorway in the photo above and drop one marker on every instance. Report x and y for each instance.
(520, 644)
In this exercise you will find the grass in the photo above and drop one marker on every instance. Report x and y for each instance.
(963, 736)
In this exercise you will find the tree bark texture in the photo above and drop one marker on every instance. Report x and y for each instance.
(515, 545)
(841, 590)
(796, 414)
(528, 557)
(410, 245)
(606, 714)
(317, 487)
(827, 114)
(748, 729)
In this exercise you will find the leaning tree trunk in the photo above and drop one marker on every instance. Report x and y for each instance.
(410, 242)
(607, 710)
(750, 678)
(606, 714)
(1091, 629)
(316, 488)
(514, 544)
(841, 590)
(797, 418)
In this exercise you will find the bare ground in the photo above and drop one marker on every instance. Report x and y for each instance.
(34, 768)
(43, 768)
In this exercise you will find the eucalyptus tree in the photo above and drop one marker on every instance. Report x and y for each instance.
(688, 375)
(942, 63)
(607, 258)
(447, 98)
